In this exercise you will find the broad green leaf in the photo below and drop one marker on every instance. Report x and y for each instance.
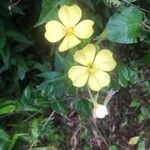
(49, 10)
(83, 107)
(7, 109)
(61, 63)
(125, 26)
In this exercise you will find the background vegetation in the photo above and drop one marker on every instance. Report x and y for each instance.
(39, 107)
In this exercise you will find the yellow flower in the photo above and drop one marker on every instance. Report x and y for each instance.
(93, 68)
(69, 28)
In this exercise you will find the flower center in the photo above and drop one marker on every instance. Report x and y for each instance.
(91, 68)
(69, 31)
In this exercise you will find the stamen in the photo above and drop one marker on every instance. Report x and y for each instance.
(69, 31)
(91, 68)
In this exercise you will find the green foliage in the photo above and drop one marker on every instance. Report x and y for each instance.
(39, 107)
(83, 107)
(126, 75)
(125, 26)
(50, 9)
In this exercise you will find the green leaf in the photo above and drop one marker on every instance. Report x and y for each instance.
(126, 75)
(113, 147)
(18, 10)
(2, 35)
(19, 37)
(40, 148)
(141, 118)
(145, 59)
(50, 10)
(123, 75)
(135, 103)
(27, 93)
(35, 131)
(22, 71)
(15, 138)
(59, 106)
(7, 109)
(83, 107)
(49, 75)
(3, 135)
(125, 26)
(6, 59)
(141, 146)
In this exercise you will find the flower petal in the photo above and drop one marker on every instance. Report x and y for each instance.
(54, 31)
(78, 75)
(68, 42)
(98, 80)
(104, 60)
(86, 55)
(84, 29)
(70, 15)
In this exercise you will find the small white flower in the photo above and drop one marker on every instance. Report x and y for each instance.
(100, 111)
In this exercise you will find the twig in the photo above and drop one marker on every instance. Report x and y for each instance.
(97, 133)
(74, 137)
(14, 4)
(47, 120)
(31, 146)
(145, 25)
(32, 115)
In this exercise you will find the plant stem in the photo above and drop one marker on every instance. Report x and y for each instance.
(91, 96)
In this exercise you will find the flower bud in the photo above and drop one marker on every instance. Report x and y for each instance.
(100, 111)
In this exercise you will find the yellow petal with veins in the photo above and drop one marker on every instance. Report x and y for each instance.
(68, 42)
(54, 31)
(86, 55)
(78, 75)
(69, 15)
(98, 80)
(84, 29)
(104, 60)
